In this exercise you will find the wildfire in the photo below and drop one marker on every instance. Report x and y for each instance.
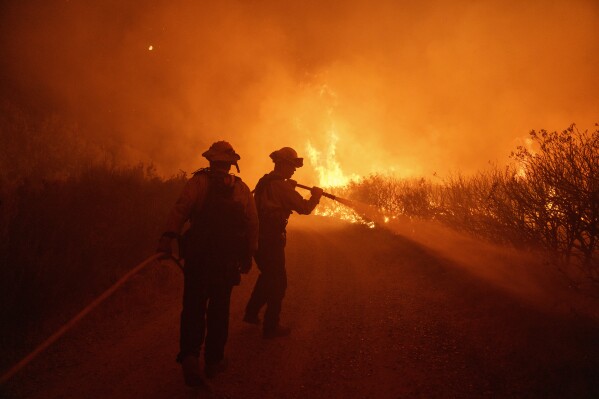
(336, 210)
(331, 176)
(328, 168)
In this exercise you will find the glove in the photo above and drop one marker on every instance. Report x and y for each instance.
(164, 245)
(246, 265)
(292, 182)
(316, 192)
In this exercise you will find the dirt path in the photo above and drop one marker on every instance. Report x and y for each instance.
(374, 315)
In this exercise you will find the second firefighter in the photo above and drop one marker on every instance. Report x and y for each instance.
(276, 198)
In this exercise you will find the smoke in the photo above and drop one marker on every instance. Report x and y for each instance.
(528, 275)
(407, 88)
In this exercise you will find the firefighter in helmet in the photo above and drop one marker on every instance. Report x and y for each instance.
(276, 198)
(217, 247)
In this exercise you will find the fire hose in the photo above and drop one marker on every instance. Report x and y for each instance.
(346, 202)
(331, 196)
(71, 323)
(367, 212)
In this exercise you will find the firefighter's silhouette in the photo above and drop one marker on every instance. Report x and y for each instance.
(276, 198)
(217, 247)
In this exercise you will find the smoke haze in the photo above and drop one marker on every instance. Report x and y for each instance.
(405, 88)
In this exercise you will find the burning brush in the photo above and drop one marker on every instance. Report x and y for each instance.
(362, 213)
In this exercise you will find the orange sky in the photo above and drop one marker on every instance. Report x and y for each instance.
(439, 86)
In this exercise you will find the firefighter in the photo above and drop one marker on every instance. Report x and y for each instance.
(276, 198)
(217, 247)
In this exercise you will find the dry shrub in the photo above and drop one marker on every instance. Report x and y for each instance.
(548, 199)
(558, 193)
(413, 197)
(70, 239)
(72, 222)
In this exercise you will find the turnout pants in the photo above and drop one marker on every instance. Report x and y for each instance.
(205, 316)
(272, 282)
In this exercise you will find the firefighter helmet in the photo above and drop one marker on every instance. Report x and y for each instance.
(287, 154)
(221, 151)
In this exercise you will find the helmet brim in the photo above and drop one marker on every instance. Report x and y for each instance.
(213, 156)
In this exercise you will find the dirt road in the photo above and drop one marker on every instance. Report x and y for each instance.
(374, 315)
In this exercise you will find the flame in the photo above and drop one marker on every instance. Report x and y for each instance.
(521, 169)
(332, 176)
(328, 168)
(338, 211)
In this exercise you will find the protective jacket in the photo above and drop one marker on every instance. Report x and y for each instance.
(223, 225)
(276, 199)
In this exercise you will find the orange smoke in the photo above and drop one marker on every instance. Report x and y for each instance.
(407, 88)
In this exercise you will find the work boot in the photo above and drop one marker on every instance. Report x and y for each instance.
(191, 371)
(251, 319)
(276, 332)
(213, 369)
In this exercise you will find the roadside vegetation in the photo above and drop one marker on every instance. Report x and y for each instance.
(72, 223)
(548, 199)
